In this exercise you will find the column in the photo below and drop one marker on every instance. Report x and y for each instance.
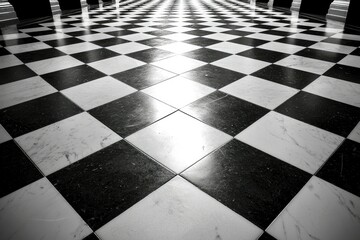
(283, 3)
(296, 5)
(338, 10)
(353, 18)
(31, 9)
(92, 2)
(69, 4)
(317, 7)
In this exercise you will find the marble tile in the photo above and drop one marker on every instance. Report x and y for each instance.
(309, 37)
(347, 36)
(79, 47)
(94, 37)
(38, 211)
(355, 134)
(292, 141)
(137, 37)
(27, 47)
(50, 37)
(178, 64)
(350, 60)
(97, 92)
(333, 47)
(181, 211)
(179, 36)
(11, 36)
(116, 64)
(62, 143)
(229, 47)
(241, 64)
(178, 141)
(336, 89)
(311, 214)
(126, 48)
(23, 90)
(53, 64)
(4, 135)
(9, 61)
(178, 47)
(306, 64)
(221, 36)
(263, 36)
(259, 91)
(281, 47)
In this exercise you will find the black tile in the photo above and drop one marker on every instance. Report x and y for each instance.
(80, 33)
(160, 33)
(41, 33)
(286, 76)
(343, 167)
(39, 55)
(70, 77)
(238, 33)
(321, 55)
(263, 55)
(321, 112)
(151, 55)
(18, 41)
(344, 72)
(199, 32)
(355, 52)
(143, 76)
(340, 41)
(206, 55)
(213, 76)
(201, 41)
(12, 74)
(108, 182)
(109, 42)
(266, 236)
(91, 237)
(63, 42)
(278, 33)
(155, 42)
(16, 169)
(225, 112)
(252, 183)
(249, 41)
(29, 116)
(3, 51)
(294, 41)
(120, 33)
(131, 113)
(95, 55)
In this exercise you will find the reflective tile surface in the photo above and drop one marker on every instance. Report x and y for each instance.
(179, 119)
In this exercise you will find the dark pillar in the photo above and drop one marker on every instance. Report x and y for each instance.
(69, 4)
(262, 1)
(283, 3)
(91, 2)
(353, 13)
(31, 9)
(318, 7)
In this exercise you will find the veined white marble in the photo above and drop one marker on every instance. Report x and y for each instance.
(333, 47)
(355, 134)
(137, 36)
(308, 37)
(306, 64)
(281, 47)
(179, 210)
(319, 211)
(62, 143)
(129, 47)
(178, 64)
(178, 140)
(9, 61)
(305, 22)
(351, 60)
(38, 211)
(336, 89)
(263, 36)
(95, 37)
(241, 64)
(229, 47)
(53, 64)
(4, 135)
(297, 143)
(27, 47)
(97, 92)
(178, 91)
(178, 47)
(116, 64)
(24, 90)
(78, 47)
(261, 92)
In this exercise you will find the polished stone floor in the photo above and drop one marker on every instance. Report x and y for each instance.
(179, 119)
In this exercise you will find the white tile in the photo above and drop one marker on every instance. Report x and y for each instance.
(178, 141)
(241, 64)
(27, 47)
(221, 36)
(95, 37)
(97, 92)
(106, 29)
(252, 29)
(144, 29)
(178, 91)
(215, 29)
(295, 142)
(13, 36)
(259, 91)
(179, 64)
(336, 89)
(50, 37)
(179, 36)
(53, 64)
(58, 145)
(137, 37)
(281, 47)
(178, 47)
(333, 47)
(263, 36)
(4, 135)
(291, 29)
(306, 64)
(179, 210)
(9, 61)
(319, 211)
(347, 36)
(229, 47)
(129, 47)
(179, 29)
(308, 37)
(38, 211)
(78, 47)
(35, 29)
(24, 90)
(116, 64)
(355, 134)
(351, 60)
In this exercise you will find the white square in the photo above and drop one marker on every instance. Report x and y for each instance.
(333, 47)
(129, 47)
(241, 64)
(229, 47)
(9, 61)
(306, 64)
(4, 135)
(178, 47)
(116, 64)
(137, 37)
(281, 47)
(179, 64)
(355, 134)
(95, 37)
(221, 36)
(263, 36)
(27, 47)
(53, 64)
(78, 47)
(179, 36)
(351, 60)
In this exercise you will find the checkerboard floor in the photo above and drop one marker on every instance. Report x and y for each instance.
(179, 119)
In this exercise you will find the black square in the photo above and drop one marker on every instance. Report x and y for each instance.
(108, 182)
(120, 33)
(39, 55)
(29, 116)
(355, 52)
(278, 33)
(294, 41)
(131, 113)
(263, 55)
(3, 51)
(321, 112)
(143, 76)
(287, 76)
(18, 41)
(160, 33)
(213, 76)
(109, 42)
(70, 77)
(16, 169)
(12, 74)
(225, 112)
(238, 33)
(343, 167)
(252, 183)
(249, 41)
(321, 55)
(201, 41)
(155, 42)
(95, 55)
(344, 72)
(151, 55)
(63, 42)
(206, 55)
(199, 33)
